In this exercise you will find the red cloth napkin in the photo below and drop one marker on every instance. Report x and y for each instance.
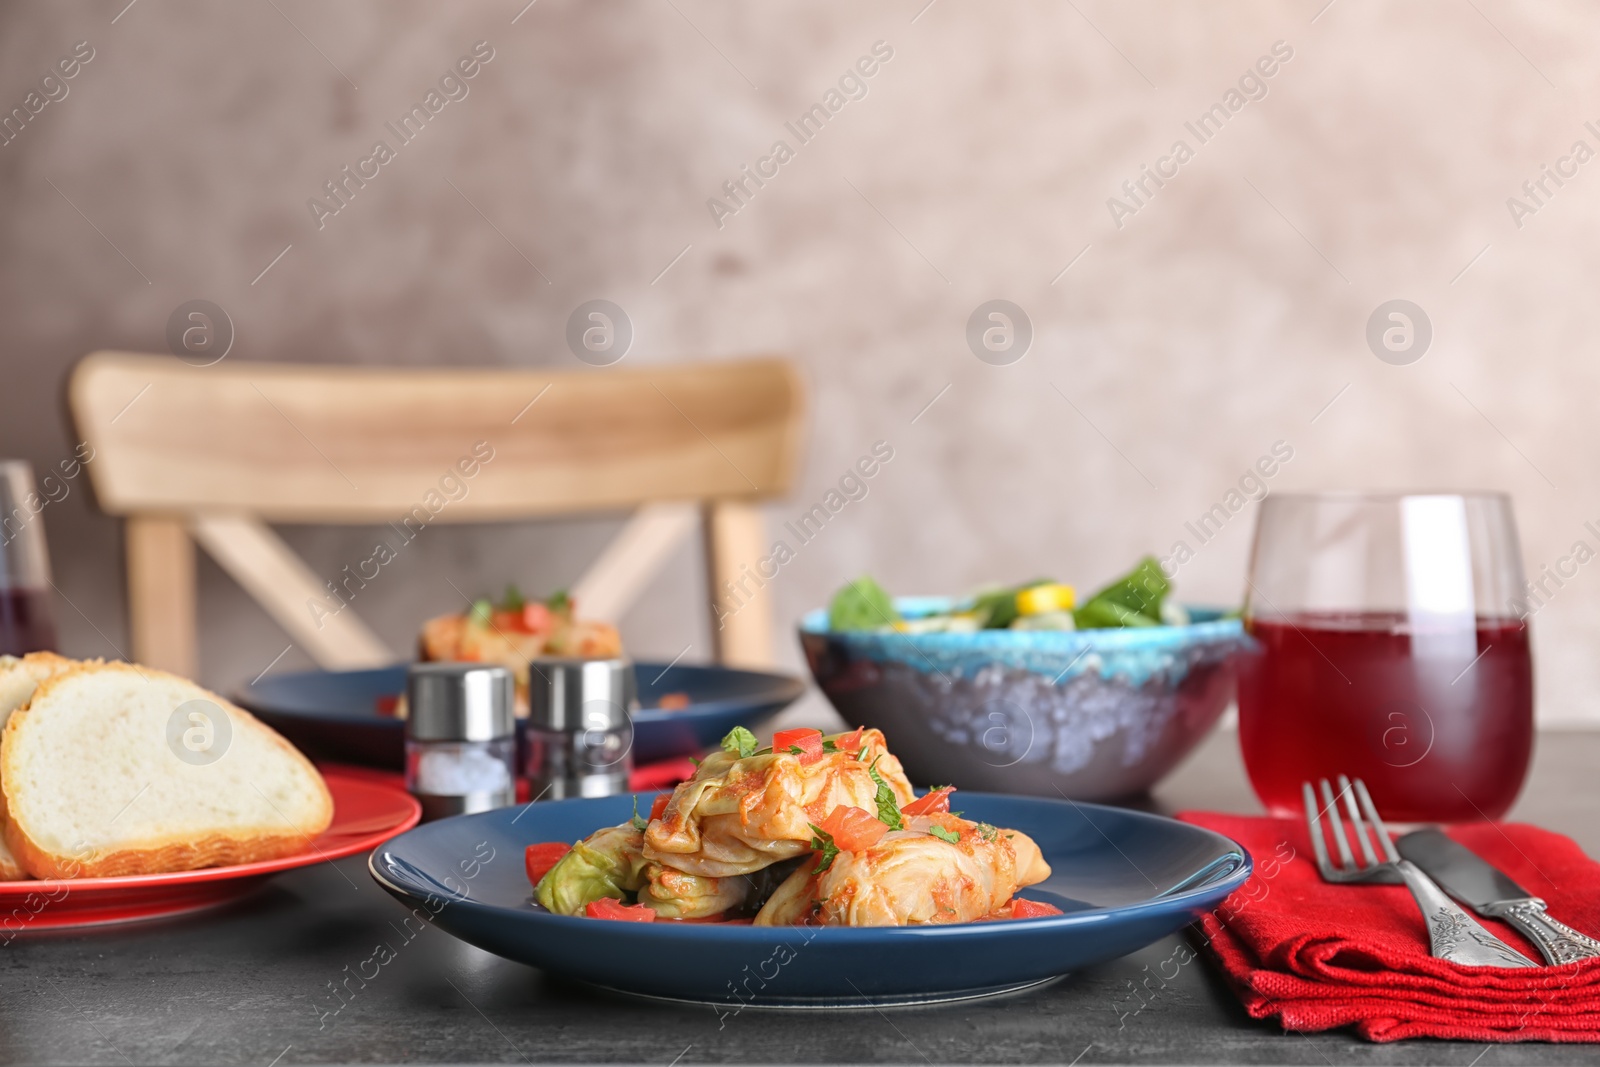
(1316, 956)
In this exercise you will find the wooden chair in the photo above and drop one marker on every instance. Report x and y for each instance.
(214, 454)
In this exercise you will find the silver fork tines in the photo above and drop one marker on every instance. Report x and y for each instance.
(1452, 934)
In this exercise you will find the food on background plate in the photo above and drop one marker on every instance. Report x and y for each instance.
(513, 632)
(114, 769)
(811, 830)
(1138, 598)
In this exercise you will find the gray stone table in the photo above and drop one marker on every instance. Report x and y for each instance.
(249, 984)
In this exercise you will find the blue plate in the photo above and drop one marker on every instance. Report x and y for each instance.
(1123, 878)
(334, 715)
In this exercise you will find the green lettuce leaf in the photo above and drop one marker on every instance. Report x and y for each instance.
(1132, 600)
(861, 605)
(997, 609)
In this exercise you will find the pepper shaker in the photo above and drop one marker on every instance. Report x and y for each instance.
(580, 727)
(460, 738)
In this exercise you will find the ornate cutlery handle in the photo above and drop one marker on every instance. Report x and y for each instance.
(1453, 934)
(1557, 942)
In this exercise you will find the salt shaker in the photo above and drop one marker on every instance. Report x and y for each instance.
(460, 738)
(580, 727)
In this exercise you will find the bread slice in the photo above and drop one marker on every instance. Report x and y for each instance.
(10, 869)
(99, 781)
(19, 677)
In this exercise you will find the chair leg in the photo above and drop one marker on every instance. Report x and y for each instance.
(161, 594)
(741, 600)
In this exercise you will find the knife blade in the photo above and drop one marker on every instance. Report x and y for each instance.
(1459, 870)
(1485, 889)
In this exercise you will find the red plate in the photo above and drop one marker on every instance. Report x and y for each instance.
(365, 814)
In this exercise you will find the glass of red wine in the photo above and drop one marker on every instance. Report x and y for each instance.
(1390, 644)
(27, 616)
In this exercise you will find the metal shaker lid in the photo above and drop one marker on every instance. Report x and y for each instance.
(459, 702)
(570, 695)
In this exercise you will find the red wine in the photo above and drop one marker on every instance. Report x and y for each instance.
(1436, 717)
(27, 622)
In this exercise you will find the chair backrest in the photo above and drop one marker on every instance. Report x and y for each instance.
(216, 452)
(301, 443)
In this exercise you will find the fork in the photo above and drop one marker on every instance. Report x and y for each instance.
(1453, 935)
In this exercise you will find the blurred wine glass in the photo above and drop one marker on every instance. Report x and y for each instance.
(27, 612)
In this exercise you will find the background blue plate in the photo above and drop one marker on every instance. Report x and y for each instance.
(1124, 879)
(333, 715)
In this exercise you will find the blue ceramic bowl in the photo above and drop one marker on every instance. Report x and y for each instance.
(1092, 714)
(1123, 878)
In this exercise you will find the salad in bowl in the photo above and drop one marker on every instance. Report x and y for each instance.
(1027, 688)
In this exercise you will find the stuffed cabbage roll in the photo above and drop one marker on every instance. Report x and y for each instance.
(607, 863)
(940, 869)
(610, 863)
(742, 813)
(672, 894)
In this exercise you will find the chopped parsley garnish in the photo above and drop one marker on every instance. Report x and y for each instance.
(795, 750)
(559, 601)
(986, 831)
(888, 807)
(513, 600)
(695, 761)
(482, 611)
(828, 745)
(638, 822)
(944, 835)
(740, 741)
(822, 841)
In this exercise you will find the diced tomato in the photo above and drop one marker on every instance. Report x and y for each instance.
(673, 701)
(933, 803)
(1032, 909)
(537, 619)
(388, 705)
(659, 807)
(809, 742)
(506, 621)
(784, 739)
(541, 857)
(853, 829)
(850, 742)
(608, 908)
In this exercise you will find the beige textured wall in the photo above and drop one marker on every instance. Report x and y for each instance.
(1222, 316)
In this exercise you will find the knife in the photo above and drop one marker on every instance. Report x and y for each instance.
(1472, 880)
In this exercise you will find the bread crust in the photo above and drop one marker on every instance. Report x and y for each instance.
(167, 853)
(175, 855)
